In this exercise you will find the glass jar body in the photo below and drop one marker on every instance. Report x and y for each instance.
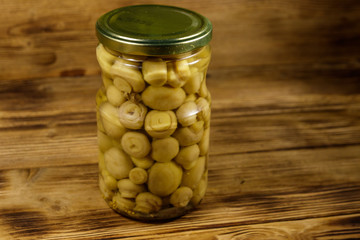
(153, 119)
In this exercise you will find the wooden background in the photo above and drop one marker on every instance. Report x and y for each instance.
(285, 136)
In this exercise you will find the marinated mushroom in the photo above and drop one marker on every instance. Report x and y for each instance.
(104, 141)
(188, 156)
(122, 85)
(204, 109)
(199, 191)
(186, 113)
(110, 120)
(191, 178)
(181, 197)
(121, 203)
(107, 193)
(203, 91)
(105, 59)
(164, 149)
(100, 97)
(136, 144)
(132, 114)
(163, 98)
(164, 178)
(145, 162)
(117, 163)
(190, 98)
(155, 72)
(109, 180)
(204, 142)
(182, 69)
(172, 77)
(138, 175)
(128, 189)
(131, 74)
(160, 124)
(193, 84)
(147, 202)
(189, 135)
(114, 96)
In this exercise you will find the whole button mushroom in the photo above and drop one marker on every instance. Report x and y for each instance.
(164, 178)
(188, 156)
(186, 113)
(114, 96)
(135, 144)
(128, 189)
(164, 149)
(110, 120)
(181, 197)
(163, 98)
(189, 135)
(138, 175)
(145, 162)
(132, 114)
(160, 124)
(191, 178)
(117, 163)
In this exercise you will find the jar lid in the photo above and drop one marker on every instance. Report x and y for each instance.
(153, 30)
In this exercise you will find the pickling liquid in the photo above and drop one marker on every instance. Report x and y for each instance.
(153, 119)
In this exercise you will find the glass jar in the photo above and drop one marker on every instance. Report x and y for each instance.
(153, 110)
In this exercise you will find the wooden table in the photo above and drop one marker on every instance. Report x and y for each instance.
(285, 131)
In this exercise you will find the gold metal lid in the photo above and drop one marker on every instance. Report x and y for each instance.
(153, 30)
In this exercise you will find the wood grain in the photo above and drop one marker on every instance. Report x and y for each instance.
(42, 37)
(285, 131)
(284, 161)
(64, 202)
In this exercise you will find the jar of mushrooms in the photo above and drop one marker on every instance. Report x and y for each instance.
(153, 110)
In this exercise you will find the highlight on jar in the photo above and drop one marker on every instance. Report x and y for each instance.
(153, 119)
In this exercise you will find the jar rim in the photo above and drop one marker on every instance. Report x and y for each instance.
(153, 30)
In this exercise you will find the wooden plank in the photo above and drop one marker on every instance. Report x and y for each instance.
(340, 227)
(280, 191)
(39, 39)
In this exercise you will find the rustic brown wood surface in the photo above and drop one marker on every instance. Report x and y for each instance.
(285, 131)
